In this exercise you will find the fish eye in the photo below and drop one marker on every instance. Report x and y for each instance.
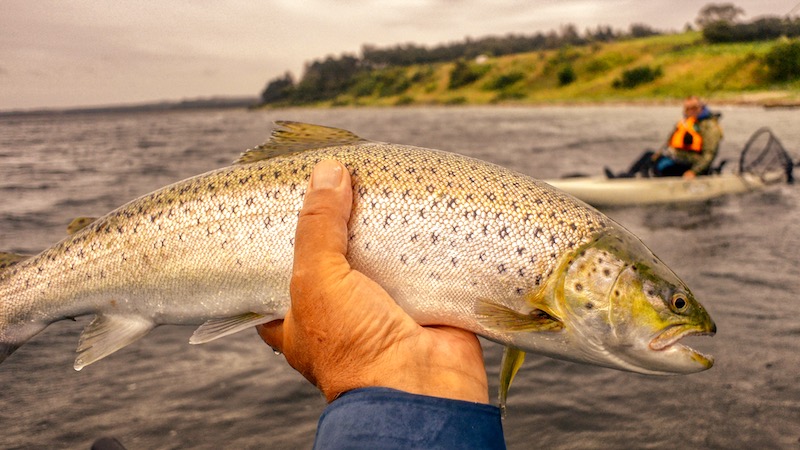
(679, 302)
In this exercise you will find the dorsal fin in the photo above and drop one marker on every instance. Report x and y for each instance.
(293, 137)
(9, 259)
(79, 223)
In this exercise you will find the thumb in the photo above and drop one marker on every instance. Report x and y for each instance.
(322, 224)
(320, 242)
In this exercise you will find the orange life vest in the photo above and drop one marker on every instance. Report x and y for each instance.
(686, 137)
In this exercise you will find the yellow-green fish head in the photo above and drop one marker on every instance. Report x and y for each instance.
(627, 310)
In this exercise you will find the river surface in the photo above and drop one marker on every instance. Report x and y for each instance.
(740, 255)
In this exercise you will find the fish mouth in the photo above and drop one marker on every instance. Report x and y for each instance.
(668, 340)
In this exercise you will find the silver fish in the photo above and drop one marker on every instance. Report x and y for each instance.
(455, 240)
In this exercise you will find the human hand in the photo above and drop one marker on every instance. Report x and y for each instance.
(344, 331)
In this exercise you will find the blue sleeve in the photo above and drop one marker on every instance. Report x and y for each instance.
(385, 418)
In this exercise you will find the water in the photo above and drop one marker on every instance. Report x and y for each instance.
(741, 256)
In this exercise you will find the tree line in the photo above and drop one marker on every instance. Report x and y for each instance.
(327, 78)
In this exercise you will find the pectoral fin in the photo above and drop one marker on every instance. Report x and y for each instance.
(512, 361)
(107, 334)
(217, 328)
(500, 318)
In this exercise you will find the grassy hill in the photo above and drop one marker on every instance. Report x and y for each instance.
(668, 67)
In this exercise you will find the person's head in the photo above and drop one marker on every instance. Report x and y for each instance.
(692, 106)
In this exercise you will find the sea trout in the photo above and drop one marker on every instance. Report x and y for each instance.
(455, 240)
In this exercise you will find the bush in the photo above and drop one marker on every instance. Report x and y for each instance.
(783, 61)
(384, 83)
(464, 73)
(566, 76)
(636, 76)
(504, 80)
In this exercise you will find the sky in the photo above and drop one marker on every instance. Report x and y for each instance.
(71, 53)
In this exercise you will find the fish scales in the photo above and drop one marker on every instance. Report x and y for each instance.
(455, 240)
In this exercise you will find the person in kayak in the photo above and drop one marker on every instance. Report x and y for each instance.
(689, 150)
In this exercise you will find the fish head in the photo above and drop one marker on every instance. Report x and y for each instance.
(626, 309)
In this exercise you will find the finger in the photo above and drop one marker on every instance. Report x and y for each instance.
(272, 334)
(322, 226)
(321, 236)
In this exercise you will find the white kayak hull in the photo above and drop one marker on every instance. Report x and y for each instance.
(602, 191)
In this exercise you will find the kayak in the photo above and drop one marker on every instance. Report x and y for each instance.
(602, 191)
(763, 162)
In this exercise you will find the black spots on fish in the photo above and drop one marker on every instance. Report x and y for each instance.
(606, 272)
(430, 188)
(578, 287)
(454, 261)
(482, 256)
(501, 269)
(491, 196)
(434, 238)
(520, 251)
(469, 236)
(537, 280)
(414, 237)
(504, 233)
(521, 272)
(589, 305)
(404, 259)
(617, 293)
(519, 291)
